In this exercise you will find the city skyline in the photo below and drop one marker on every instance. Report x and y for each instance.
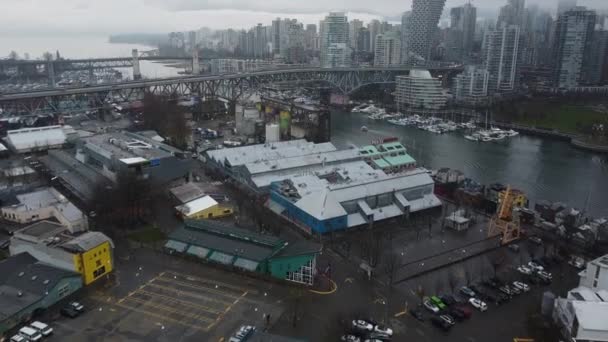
(75, 16)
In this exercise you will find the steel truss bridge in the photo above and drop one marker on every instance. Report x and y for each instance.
(228, 86)
(85, 64)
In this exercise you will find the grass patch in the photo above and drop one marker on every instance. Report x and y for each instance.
(564, 118)
(147, 235)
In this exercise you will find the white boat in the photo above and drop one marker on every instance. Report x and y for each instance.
(471, 137)
(364, 129)
(511, 133)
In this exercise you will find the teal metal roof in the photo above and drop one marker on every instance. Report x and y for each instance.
(176, 246)
(197, 251)
(392, 146)
(246, 264)
(222, 258)
(300, 247)
(226, 244)
(381, 163)
(369, 150)
(399, 160)
(230, 231)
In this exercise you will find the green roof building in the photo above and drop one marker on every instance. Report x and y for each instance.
(226, 244)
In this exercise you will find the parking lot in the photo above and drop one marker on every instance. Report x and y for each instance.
(183, 301)
(516, 315)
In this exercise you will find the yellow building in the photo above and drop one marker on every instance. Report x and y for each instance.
(203, 208)
(93, 255)
(90, 254)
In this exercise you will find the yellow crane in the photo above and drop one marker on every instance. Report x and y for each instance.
(503, 223)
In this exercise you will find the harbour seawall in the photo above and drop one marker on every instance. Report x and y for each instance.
(541, 132)
(589, 146)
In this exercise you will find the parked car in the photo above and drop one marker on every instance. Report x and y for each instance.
(244, 332)
(524, 270)
(449, 300)
(457, 314)
(441, 324)
(466, 310)
(506, 290)
(545, 275)
(42, 328)
(474, 288)
(536, 240)
(77, 306)
(429, 305)
(362, 325)
(521, 285)
(69, 311)
(417, 314)
(535, 266)
(489, 298)
(380, 329)
(379, 336)
(448, 319)
(30, 334)
(501, 298)
(545, 264)
(435, 300)
(577, 262)
(539, 279)
(18, 338)
(467, 291)
(513, 289)
(350, 338)
(478, 304)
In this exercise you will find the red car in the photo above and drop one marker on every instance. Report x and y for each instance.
(466, 311)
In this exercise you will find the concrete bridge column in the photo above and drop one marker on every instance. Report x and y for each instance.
(136, 70)
(51, 73)
(232, 108)
(92, 76)
(196, 67)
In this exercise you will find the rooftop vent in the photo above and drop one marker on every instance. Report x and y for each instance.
(19, 294)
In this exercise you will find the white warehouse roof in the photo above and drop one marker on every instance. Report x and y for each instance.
(267, 152)
(591, 316)
(38, 138)
(196, 205)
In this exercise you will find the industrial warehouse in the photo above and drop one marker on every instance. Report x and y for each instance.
(224, 244)
(322, 189)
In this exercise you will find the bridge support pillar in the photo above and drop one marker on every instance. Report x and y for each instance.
(92, 77)
(232, 108)
(51, 73)
(196, 67)
(136, 70)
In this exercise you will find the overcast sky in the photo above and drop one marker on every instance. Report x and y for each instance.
(116, 16)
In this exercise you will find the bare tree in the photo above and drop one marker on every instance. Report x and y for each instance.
(163, 115)
(391, 265)
(13, 55)
(129, 202)
(47, 56)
